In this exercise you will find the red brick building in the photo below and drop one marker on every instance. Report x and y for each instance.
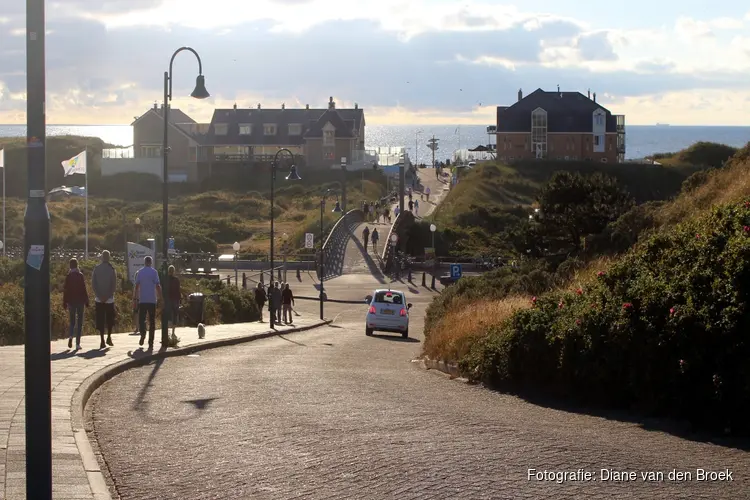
(561, 126)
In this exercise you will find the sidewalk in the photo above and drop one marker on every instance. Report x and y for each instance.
(438, 189)
(70, 446)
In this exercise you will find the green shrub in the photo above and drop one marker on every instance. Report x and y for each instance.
(664, 330)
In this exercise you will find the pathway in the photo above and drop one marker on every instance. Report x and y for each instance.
(69, 370)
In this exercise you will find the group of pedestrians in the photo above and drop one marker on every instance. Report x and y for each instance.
(280, 299)
(104, 285)
(375, 211)
(375, 238)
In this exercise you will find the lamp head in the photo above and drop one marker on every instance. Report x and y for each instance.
(137, 221)
(200, 91)
(236, 246)
(337, 208)
(293, 176)
(433, 228)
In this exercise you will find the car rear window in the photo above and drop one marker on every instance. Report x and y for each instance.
(389, 298)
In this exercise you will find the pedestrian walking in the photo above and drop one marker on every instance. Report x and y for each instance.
(411, 206)
(175, 297)
(372, 211)
(75, 298)
(375, 238)
(366, 236)
(396, 211)
(427, 193)
(146, 293)
(366, 210)
(416, 208)
(275, 301)
(104, 284)
(260, 299)
(287, 301)
(387, 214)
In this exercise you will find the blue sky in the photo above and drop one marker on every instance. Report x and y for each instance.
(421, 61)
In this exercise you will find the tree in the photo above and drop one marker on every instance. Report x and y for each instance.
(574, 206)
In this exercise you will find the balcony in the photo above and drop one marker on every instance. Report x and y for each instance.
(118, 153)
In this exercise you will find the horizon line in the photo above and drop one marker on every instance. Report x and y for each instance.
(661, 125)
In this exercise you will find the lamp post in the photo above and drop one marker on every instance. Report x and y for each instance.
(138, 229)
(433, 228)
(416, 147)
(284, 238)
(343, 183)
(199, 92)
(336, 209)
(293, 176)
(37, 367)
(236, 248)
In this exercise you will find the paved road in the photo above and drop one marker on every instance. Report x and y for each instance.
(334, 414)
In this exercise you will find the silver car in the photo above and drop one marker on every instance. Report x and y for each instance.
(388, 311)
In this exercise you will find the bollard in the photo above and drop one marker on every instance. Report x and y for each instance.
(299, 276)
(424, 279)
(279, 275)
(261, 278)
(229, 280)
(409, 275)
(244, 281)
(433, 282)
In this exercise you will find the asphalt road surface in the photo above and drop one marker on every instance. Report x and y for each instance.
(333, 414)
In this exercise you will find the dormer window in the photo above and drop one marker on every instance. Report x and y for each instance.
(295, 129)
(269, 129)
(246, 129)
(329, 137)
(221, 129)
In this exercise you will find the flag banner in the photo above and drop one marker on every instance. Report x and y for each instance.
(2, 158)
(76, 165)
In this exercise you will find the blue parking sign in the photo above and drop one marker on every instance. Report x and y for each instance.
(456, 271)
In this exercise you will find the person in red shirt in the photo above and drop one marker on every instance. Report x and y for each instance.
(175, 297)
(75, 298)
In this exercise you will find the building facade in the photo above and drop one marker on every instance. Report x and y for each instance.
(560, 126)
(238, 138)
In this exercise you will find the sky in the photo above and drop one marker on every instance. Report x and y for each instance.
(404, 62)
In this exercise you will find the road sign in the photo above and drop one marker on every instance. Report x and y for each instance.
(170, 246)
(456, 271)
(309, 240)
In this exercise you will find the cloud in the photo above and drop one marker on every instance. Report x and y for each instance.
(596, 47)
(655, 66)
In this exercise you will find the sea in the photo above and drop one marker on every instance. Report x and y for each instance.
(454, 141)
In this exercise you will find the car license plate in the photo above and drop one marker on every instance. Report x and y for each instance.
(386, 311)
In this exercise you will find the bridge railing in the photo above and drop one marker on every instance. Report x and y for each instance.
(399, 227)
(334, 248)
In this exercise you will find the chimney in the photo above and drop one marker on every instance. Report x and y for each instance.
(156, 106)
(235, 105)
(594, 96)
(520, 94)
(307, 106)
(559, 94)
(589, 94)
(283, 106)
(258, 105)
(356, 106)
(331, 104)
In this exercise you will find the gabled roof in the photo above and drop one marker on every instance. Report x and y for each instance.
(175, 116)
(566, 112)
(347, 123)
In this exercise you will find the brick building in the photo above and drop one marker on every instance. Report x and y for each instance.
(561, 126)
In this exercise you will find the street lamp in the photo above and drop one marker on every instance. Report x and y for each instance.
(293, 176)
(284, 238)
(199, 92)
(236, 248)
(416, 146)
(433, 228)
(343, 183)
(138, 229)
(336, 210)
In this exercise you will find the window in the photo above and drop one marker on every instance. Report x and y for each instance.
(246, 129)
(596, 140)
(329, 137)
(151, 151)
(599, 120)
(269, 129)
(328, 153)
(539, 133)
(221, 129)
(389, 298)
(295, 129)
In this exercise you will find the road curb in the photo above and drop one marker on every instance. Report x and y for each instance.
(443, 366)
(84, 391)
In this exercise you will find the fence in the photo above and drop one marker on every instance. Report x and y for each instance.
(400, 227)
(64, 254)
(334, 248)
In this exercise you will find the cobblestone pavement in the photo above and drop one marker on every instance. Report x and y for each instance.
(69, 370)
(333, 414)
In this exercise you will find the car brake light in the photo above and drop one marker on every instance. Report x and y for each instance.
(403, 312)
(372, 310)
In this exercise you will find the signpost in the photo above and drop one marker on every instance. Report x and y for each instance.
(456, 272)
(309, 240)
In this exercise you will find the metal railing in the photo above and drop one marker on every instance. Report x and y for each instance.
(334, 248)
(400, 225)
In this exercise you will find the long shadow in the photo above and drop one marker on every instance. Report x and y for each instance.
(62, 355)
(371, 265)
(393, 338)
(681, 429)
(292, 341)
(94, 353)
(200, 404)
(140, 400)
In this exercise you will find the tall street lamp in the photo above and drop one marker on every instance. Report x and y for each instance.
(284, 248)
(236, 248)
(293, 176)
(138, 229)
(336, 210)
(199, 92)
(37, 368)
(343, 182)
(433, 228)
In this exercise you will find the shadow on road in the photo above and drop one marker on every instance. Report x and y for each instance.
(140, 400)
(373, 267)
(62, 355)
(292, 341)
(94, 353)
(393, 338)
(200, 404)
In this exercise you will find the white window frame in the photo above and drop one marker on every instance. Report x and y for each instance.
(221, 129)
(295, 129)
(269, 129)
(329, 138)
(151, 151)
(596, 140)
(246, 128)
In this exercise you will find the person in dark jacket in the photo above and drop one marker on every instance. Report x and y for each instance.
(75, 298)
(175, 297)
(260, 299)
(274, 301)
(366, 236)
(104, 285)
(287, 302)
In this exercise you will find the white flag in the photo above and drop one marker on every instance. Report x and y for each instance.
(76, 165)
(2, 158)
